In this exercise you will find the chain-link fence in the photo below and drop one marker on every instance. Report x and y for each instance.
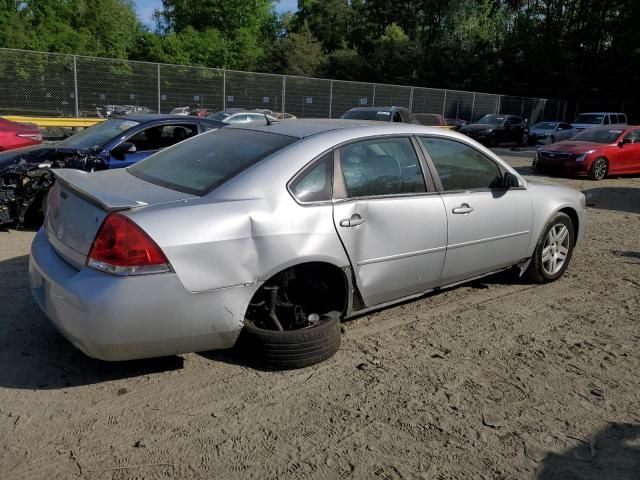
(47, 84)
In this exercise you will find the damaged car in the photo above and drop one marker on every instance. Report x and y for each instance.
(26, 173)
(269, 235)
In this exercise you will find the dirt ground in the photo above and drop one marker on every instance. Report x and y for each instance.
(491, 380)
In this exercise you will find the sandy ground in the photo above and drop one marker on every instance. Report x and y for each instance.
(492, 380)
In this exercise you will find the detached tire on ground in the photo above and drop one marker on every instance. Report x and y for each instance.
(291, 349)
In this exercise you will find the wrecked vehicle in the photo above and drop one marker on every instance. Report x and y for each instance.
(25, 173)
(271, 234)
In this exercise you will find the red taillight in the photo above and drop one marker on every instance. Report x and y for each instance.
(121, 247)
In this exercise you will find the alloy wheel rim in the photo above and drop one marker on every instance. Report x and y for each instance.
(555, 249)
(599, 168)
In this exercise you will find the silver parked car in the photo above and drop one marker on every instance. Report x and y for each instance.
(273, 233)
(551, 132)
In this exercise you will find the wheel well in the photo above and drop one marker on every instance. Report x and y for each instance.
(573, 215)
(318, 287)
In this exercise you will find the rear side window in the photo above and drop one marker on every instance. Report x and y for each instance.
(386, 166)
(461, 167)
(208, 160)
(314, 185)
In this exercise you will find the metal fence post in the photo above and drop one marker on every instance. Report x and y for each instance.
(330, 97)
(522, 108)
(444, 102)
(75, 84)
(373, 100)
(473, 106)
(159, 111)
(224, 90)
(411, 100)
(284, 91)
(498, 104)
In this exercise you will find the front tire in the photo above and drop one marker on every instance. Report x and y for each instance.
(599, 169)
(553, 251)
(291, 349)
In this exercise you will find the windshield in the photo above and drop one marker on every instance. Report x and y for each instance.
(99, 134)
(589, 118)
(492, 120)
(545, 126)
(367, 115)
(598, 135)
(178, 110)
(207, 161)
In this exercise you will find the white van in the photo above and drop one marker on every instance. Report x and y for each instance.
(598, 119)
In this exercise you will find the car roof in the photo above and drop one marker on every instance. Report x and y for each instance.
(152, 117)
(376, 109)
(302, 128)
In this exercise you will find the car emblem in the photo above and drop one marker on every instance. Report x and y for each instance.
(56, 212)
(552, 155)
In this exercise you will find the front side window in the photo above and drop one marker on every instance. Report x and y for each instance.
(209, 160)
(386, 166)
(314, 185)
(633, 137)
(461, 167)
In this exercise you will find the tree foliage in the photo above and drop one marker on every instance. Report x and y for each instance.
(546, 48)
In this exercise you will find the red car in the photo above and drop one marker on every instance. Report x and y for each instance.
(16, 135)
(596, 152)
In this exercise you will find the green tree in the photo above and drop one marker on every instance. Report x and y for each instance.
(297, 54)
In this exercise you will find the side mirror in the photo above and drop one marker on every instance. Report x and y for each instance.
(121, 150)
(509, 180)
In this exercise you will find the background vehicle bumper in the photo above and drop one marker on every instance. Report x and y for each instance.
(567, 167)
(123, 318)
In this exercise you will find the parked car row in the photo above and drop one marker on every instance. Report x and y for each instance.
(275, 265)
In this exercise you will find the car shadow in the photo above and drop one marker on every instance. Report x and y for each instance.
(621, 199)
(613, 453)
(33, 355)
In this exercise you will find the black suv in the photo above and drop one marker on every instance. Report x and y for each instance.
(495, 129)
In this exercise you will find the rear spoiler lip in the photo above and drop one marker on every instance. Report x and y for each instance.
(83, 186)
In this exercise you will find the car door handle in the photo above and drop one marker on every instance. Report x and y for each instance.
(463, 209)
(354, 221)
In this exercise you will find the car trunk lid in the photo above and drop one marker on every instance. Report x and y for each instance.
(79, 201)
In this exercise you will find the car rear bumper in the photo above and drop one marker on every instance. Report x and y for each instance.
(123, 318)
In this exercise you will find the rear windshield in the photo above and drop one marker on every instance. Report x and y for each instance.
(598, 135)
(589, 118)
(207, 161)
(367, 115)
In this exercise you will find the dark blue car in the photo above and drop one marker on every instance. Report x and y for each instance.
(25, 173)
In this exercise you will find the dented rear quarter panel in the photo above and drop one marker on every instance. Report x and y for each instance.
(248, 229)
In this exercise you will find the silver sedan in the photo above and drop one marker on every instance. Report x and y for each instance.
(270, 235)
